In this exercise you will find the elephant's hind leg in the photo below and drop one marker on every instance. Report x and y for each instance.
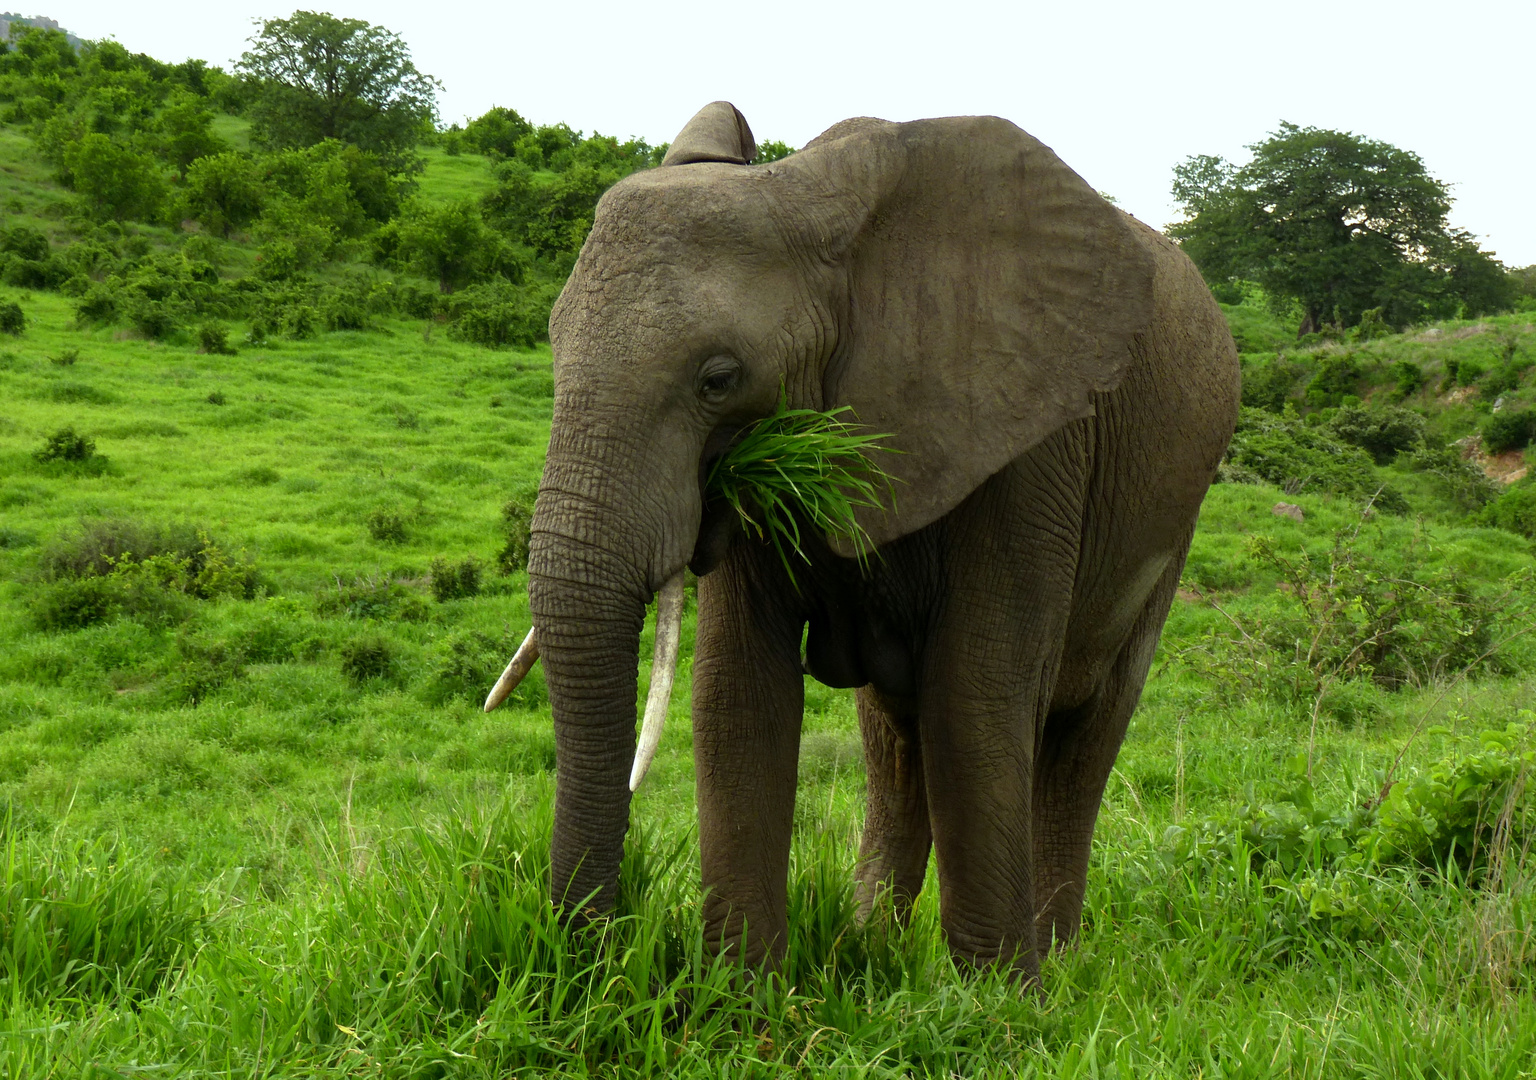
(893, 856)
(1077, 753)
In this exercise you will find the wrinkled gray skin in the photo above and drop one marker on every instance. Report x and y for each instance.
(1062, 386)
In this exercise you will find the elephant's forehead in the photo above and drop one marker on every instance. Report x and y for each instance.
(629, 289)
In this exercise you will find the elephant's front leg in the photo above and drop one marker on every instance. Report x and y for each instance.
(748, 700)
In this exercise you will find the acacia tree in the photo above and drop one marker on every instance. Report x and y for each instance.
(317, 77)
(1338, 224)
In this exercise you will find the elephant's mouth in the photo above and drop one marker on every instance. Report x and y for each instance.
(719, 522)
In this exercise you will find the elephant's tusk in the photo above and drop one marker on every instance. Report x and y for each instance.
(522, 663)
(669, 628)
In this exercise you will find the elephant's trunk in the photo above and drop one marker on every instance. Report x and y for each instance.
(588, 619)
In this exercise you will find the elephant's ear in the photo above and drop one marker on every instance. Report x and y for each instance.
(717, 132)
(991, 294)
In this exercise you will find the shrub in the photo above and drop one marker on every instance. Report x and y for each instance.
(499, 314)
(1456, 478)
(1514, 510)
(203, 667)
(455, 580)
(157, 319)
(1337, 376)
(66, 358)
(467, 664)
(1382, 432)
(303, 322)
(387, 526)
(214, 340)
(1457, 814)
(1509, 429)
(66, 445)
(1453, 812)
(516, 523)
(180, 557)
(99, 304)
(215, 397)
(1289, 453)
(380, 597)
(1268, 385)
(1355, 616)
(368, 657)
(1409, 379)
(13, 320)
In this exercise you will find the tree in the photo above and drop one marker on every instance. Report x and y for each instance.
(317, 77)
(1337, 224)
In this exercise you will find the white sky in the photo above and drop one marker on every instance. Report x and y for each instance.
(1122, 91)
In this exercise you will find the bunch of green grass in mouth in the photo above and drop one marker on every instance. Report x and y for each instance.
(801, 464)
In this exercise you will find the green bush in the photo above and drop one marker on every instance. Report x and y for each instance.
(375, 597)
(66, 445)
(467, 664)
(13, 320)
(203, 666)
(499, 314)
(388, 526)
(1267, 385)
(1295, 456)
(303, 322)
(369, 657)
(145, 572)
(1382, 432)
(1453, 813)
(516, 523)
(1509, 429)
(455, 580)
(1367, 613)
(1514, 510)
(1456, 478)
(1408, 379)
(1338, 375)
(1460, 814)
(214, 340)
(99, 304)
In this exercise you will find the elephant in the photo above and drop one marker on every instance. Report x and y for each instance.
(1060, 387)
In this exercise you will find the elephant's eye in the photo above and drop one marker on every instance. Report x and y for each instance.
(716, 381)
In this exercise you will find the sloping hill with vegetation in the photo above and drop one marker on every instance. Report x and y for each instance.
(266, 468)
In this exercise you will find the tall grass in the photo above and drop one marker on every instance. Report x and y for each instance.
(433, 951)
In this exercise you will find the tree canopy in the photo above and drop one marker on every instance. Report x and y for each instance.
(1338, 224)
(317, 77)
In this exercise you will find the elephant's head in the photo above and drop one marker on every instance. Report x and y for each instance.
(950, 279)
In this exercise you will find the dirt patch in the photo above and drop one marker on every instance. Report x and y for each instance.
(1458, 395)
(1509, 467)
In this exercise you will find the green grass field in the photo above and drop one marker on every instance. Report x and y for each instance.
(228, 851)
